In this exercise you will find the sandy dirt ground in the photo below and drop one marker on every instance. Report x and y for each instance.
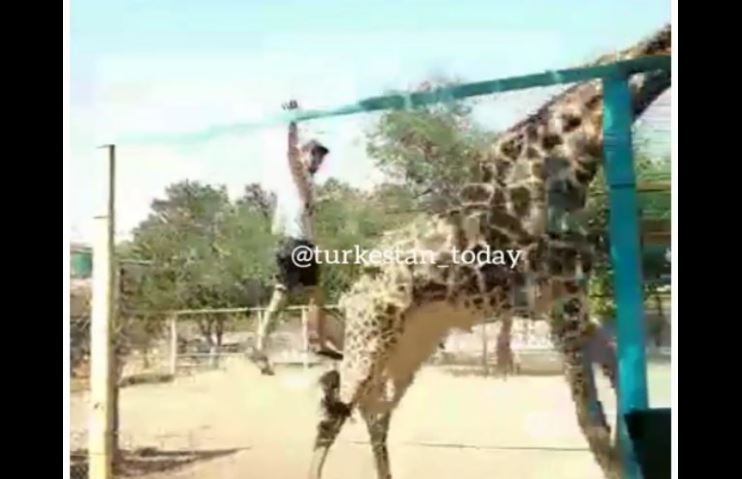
(238, 424)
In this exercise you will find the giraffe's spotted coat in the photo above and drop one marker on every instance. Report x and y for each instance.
(397, 317)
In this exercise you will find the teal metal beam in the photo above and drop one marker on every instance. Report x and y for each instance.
(398, 101)
(626, 257)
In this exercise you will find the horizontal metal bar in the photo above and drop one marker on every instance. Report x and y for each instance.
(399, 101)
(572, 75)
(185, 312)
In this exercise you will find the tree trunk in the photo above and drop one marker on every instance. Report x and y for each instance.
(659, 330)
(117, 366)
(206, 326)
(219, 332)
(145, 359)
(212, 342)
(505, 360)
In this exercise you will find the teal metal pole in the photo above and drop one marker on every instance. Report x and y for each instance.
(625, 254)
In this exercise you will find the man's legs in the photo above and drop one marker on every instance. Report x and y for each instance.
(267, 325)
(321, 343)
(291, 278)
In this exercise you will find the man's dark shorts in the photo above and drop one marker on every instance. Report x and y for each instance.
(296, 272)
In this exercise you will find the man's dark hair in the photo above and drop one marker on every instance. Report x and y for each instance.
(315, 147)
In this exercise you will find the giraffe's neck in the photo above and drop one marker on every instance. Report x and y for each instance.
(546, 162)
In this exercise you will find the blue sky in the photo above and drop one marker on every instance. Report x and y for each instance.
(164, 66)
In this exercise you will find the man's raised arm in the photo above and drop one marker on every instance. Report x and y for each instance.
(298, 169)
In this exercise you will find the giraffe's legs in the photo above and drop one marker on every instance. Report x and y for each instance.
(604, 353)
(596, 431)
(597, 414)
(572, 332)
(377, 420)
(378, 429)
(598, 349)
(343, 390)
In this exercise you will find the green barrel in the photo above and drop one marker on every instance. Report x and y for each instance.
(81, 263)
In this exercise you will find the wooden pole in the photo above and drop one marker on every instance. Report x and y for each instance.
(485, 366)
(173, 344)
(103, 437)
(258, 340)
(305, 337)
(116, 368)
(100, 447)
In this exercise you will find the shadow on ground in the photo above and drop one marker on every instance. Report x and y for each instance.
(146, 378)
(144, 461)
(492, 371)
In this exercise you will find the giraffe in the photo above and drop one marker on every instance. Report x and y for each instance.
(397, 313)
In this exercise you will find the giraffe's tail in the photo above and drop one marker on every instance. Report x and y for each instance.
(331, 404)
(334, 414)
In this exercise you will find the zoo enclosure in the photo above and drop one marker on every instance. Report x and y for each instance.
(624, 230)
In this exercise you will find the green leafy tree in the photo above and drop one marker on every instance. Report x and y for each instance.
(653, 174)
(431, 150)
(204, 252)
(348, 217)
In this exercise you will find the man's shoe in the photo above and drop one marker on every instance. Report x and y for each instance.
(261, 361)
(327, 352)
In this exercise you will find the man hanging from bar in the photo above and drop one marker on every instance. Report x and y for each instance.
(294, 223)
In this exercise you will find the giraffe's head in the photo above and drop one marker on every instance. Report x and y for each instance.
(546, 163)
(575, 125)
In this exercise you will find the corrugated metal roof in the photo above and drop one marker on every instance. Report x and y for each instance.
(80, 247)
